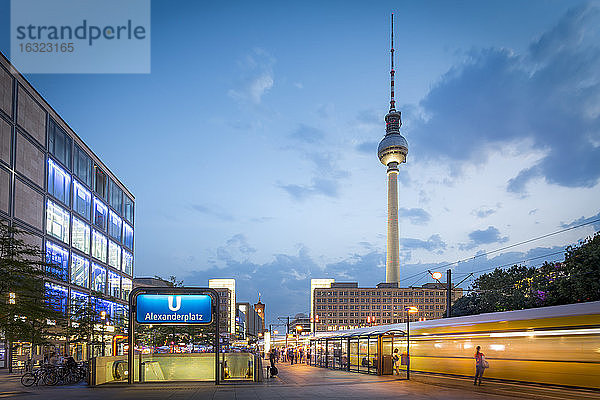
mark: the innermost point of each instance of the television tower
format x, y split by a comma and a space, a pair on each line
392, 152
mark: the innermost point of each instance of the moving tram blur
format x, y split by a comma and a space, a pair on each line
557, 345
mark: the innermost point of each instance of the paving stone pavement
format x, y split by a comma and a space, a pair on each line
300, 382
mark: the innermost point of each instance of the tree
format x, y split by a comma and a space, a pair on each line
574, 280
27, 312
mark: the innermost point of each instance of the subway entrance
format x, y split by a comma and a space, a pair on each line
173, 336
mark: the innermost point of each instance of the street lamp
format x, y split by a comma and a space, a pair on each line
103, 318
436, 275
409, 310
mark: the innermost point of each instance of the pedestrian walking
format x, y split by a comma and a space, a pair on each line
396, 363
480, 365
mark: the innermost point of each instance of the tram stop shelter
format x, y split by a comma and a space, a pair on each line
364, 350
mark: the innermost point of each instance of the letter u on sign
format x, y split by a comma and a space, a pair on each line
177, 305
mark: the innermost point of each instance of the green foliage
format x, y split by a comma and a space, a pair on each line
574, 280
30, 316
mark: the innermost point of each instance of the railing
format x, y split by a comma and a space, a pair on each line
177, 367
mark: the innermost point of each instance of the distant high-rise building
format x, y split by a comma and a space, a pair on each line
392, 152
227, 309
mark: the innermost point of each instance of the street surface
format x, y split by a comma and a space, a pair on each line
300, 382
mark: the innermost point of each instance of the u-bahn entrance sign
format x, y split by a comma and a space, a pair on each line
172, 306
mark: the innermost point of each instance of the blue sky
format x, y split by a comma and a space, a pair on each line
251, 146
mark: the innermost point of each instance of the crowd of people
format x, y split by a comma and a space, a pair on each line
300, 355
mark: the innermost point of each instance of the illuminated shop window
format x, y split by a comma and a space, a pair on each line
78, 302
114, 284
127, 265
128, 236
114, 254
100, 214
120, 313
126, 287
57, 221
107, 306
114, 225
56, 297
128, 209
58, 257
98, 246
80, 236
98, 278
82, 200
82, 166
59, 182
80, 270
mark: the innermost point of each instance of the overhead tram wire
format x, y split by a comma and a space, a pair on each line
506, 247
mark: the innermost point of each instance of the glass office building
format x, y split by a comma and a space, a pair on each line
77, 211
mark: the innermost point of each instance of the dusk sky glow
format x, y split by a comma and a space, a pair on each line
251, 147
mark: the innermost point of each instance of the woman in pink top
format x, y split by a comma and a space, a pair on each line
479, 368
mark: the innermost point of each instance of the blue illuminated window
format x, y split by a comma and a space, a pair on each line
56, 296
98, 246
58, 258
100, 214
107, 306
80, 236
127, 265
114, 225
126, 286
98, 278
128, 236
78, 302
59, 182
82, 200
57, 221
80, 270
114, 254
114, 284
120, 313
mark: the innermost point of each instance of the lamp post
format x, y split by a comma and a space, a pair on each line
298, 332
409, 310
103, 318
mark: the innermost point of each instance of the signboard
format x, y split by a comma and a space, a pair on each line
180, 309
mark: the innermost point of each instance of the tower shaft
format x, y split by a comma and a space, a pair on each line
392, 265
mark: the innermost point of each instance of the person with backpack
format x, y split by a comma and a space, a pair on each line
480, 365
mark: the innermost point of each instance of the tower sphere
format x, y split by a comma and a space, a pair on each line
392, 148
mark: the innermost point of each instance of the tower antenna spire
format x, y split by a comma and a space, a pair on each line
392, 72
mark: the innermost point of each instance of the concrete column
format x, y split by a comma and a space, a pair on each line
392, 266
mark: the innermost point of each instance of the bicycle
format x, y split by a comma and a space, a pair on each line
42, 374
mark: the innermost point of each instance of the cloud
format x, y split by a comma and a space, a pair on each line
212, 211
547, 99
484, 212
416, 216
369, 147
325, 187
434, 242
584, 220
326, 175
487, 236
307, 134
257, 77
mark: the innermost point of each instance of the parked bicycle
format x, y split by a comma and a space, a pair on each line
44, 375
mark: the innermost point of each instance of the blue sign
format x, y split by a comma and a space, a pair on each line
174, 309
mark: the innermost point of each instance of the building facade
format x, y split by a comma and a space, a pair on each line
346, 306
77, 211
227, 309
248, 322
